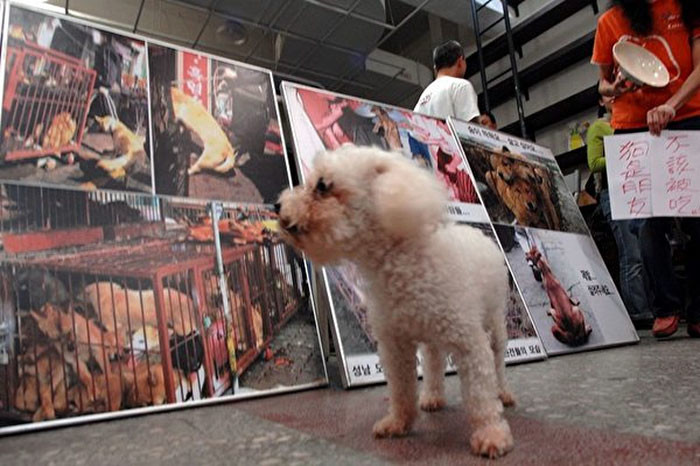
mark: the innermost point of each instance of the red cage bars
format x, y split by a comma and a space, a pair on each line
140, 324
46, 101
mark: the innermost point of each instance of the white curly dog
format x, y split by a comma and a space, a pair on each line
430, 282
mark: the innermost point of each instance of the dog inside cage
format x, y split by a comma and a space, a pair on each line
112, 301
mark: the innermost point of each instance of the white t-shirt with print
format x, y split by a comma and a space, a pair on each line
448, 96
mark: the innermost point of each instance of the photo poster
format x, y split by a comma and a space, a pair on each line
216, 128
653, 176
322, 120
111, 303
75, 109
561, 275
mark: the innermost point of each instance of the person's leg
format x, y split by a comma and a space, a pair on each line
633, 286
667, 293
691, 226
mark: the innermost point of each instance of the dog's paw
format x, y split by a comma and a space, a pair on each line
507, 398
492, 441
391, 426
432, 403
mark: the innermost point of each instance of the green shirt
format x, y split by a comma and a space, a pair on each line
594, 142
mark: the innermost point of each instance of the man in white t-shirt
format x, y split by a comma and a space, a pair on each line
450, 94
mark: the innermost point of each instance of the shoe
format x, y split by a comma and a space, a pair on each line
694, 330
665, 326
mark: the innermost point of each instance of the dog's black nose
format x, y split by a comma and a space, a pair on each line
278, 207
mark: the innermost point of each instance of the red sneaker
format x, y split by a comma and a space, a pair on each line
694, 330
665, 326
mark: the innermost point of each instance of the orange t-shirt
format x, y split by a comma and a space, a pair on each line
669, 40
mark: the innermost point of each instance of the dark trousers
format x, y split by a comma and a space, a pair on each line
668, 294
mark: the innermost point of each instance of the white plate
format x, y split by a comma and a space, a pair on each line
640, 66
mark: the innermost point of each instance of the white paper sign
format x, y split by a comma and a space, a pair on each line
654, 176
675, 170
629, 175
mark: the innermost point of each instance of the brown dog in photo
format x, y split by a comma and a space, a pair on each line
145, 385
108, 388
570, 325
519, 197
544, 184
127, 145
89, 342
510, 166
60, 132
123, 310
42, 387
217, 155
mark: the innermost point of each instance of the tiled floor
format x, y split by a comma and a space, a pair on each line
632, 405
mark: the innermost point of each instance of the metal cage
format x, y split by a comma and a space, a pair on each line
46, 102
135, 318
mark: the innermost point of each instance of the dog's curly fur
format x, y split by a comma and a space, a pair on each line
430, 282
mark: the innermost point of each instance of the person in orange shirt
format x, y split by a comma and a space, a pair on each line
671, 30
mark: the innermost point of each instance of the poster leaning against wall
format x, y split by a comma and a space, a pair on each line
112, 302
75, 109
566, 286
322, 120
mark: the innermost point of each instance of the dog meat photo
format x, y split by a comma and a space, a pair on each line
567, 289
359, 346
216, 132
75, 105
112, 301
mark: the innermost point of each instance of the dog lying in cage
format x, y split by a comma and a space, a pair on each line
72, 362
75, 369
386, 215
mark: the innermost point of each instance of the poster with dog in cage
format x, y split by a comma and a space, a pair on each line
75, 104
114, 301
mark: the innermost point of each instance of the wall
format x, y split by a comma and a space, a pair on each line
568, 82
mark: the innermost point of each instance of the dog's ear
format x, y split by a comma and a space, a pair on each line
409, 200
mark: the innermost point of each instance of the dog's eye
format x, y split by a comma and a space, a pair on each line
322, 187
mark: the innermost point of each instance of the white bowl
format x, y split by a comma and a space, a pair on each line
640, 66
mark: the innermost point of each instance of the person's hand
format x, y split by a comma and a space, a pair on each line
659, 117
622, 86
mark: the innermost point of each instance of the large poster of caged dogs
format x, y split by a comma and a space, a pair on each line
322, 120
75, 104
562, 277
216, 130
113, 301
